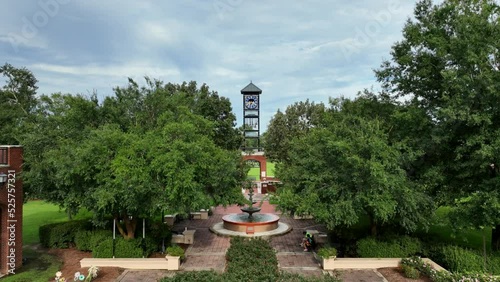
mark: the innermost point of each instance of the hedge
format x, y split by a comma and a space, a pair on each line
62, 234
88, 240
132, 248
399, 247
248, 260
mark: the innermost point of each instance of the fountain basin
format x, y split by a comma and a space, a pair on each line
258, 223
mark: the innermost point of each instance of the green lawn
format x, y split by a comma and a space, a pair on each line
38, 213
38, 267
254, 171
442, 231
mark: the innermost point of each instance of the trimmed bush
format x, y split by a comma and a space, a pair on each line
248, 260
124, 248
88, 240
327, 252
195, 276
399, 247
82, 240
411, 272
175, 251
239, 266
104, 249
62, 234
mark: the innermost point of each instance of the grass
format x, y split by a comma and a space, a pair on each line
37, 267
38, 213
255, 171
442, 231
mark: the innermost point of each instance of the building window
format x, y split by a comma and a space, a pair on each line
4, 156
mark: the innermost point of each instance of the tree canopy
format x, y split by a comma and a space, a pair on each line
448, 65
146, 149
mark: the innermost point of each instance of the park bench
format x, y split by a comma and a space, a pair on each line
202, 214
318, 237
187, 237
169, 219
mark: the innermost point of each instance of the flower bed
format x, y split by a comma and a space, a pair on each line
444, 276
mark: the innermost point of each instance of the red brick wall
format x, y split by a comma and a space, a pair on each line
261, 160
11, 212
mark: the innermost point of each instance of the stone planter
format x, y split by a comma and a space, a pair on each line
173, 263
326, 263
169, 219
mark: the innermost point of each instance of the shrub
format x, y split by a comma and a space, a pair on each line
242, 267
62, 234
82, 240
239, 268
445, 276
88, 240
132, 248
176, 251
494, 264
104, 249
457, 259
411, 272
207, 276
399, 247
327, 252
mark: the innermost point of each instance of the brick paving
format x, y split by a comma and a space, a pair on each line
208, 250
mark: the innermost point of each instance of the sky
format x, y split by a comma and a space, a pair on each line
292, 50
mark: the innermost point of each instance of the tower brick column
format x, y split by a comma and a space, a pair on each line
11, 209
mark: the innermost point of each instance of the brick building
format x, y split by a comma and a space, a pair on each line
11, 209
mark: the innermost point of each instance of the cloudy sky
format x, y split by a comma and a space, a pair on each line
292, 50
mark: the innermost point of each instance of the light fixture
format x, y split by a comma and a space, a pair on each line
3, 179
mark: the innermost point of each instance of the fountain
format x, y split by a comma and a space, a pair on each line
249, 223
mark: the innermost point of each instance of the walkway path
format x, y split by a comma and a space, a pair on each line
208, 251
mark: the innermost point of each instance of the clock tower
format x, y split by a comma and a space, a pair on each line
251, 117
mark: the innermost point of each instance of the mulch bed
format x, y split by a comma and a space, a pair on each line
396, 275
71, 264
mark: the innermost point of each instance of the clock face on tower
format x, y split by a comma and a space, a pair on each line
251, 102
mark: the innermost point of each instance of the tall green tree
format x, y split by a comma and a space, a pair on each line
137, 107
347, 170
296, 121
17, 97
448, 64
57, 120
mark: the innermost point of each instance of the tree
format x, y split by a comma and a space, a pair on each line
17, 98
296, 121
448, 64
138, 108
345, 170
133, 175
57, 120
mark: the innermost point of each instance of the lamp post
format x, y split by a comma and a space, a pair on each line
3, 179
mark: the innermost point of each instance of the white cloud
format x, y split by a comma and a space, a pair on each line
310, 49
126, 70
